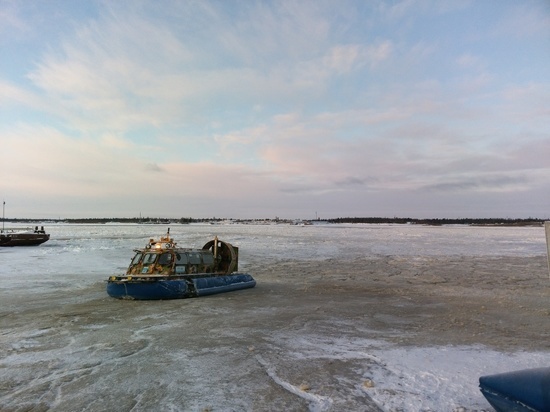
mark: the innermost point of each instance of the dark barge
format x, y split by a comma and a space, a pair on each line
23, 237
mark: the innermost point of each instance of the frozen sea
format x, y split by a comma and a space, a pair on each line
65, 345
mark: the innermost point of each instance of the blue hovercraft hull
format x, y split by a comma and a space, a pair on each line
177, 287
519, 391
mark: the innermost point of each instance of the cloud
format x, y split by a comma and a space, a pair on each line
523, 20
153, 167
528, 102
480, 183
468, 60
46, 162
115, 142
12, 95
10, 20
353, 181
345, 58
121, 72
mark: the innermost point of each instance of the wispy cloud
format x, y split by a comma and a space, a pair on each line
275, 103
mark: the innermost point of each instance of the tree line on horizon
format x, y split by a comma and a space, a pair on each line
371, 220
442, 221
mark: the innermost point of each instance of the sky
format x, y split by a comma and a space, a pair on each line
264, 109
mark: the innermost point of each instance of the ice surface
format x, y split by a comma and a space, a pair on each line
62, 353
441, 379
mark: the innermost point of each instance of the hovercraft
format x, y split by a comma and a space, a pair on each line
162, 270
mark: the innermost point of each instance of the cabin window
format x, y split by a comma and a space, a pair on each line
149, 258
181, 263
136, 258
194, 258
181, 259
208, 259
165, 259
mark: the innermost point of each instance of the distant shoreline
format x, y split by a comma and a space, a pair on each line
368, 220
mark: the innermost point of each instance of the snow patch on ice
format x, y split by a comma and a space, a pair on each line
415, 379
440, 378
317, 403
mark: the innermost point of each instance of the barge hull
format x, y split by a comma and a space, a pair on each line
23, 239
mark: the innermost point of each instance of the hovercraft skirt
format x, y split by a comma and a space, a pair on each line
177, 287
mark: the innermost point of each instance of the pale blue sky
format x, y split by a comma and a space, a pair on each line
413, 108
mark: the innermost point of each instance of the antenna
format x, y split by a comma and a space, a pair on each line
547, 230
